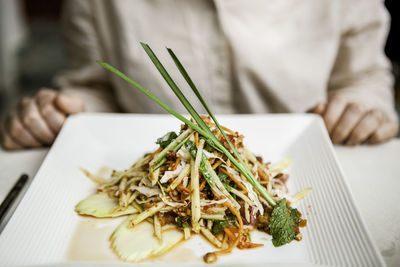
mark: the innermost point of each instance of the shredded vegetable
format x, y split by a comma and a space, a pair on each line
193, 196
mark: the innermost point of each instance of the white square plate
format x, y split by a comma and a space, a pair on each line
46, 230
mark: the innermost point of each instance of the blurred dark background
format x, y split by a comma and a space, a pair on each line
34, 27
392, 48
33, 37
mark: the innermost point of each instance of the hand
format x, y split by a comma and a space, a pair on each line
349, 123
37, 121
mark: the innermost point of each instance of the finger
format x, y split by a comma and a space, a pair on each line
54, 118
334, 110
34, 123
368, 125
386, 131
69, 104
351, 116
16, 130
7, 141
45, 96
318, 109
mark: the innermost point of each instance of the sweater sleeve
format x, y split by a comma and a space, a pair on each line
362, 72
83, 76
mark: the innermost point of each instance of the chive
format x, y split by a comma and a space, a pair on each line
202, 128
247, 173
281, 215
164, 73
152, 96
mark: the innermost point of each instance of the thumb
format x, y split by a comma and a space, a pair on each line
69, 104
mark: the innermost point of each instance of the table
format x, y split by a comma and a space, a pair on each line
372, 172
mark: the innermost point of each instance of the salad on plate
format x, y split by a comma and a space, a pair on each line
200, 180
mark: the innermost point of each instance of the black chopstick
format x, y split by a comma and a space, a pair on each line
10, 198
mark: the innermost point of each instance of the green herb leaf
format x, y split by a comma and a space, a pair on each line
295, 214
183, 221
223, 177
166, 139
209, 148
228, 183
283, 223
218, 226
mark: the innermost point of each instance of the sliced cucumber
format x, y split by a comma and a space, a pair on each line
138, 243
101, 205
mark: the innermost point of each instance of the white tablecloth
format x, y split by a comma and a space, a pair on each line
372, 172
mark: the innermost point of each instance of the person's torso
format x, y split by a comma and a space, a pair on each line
244, 56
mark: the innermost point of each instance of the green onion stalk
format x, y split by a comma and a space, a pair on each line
282, 221
201, 126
